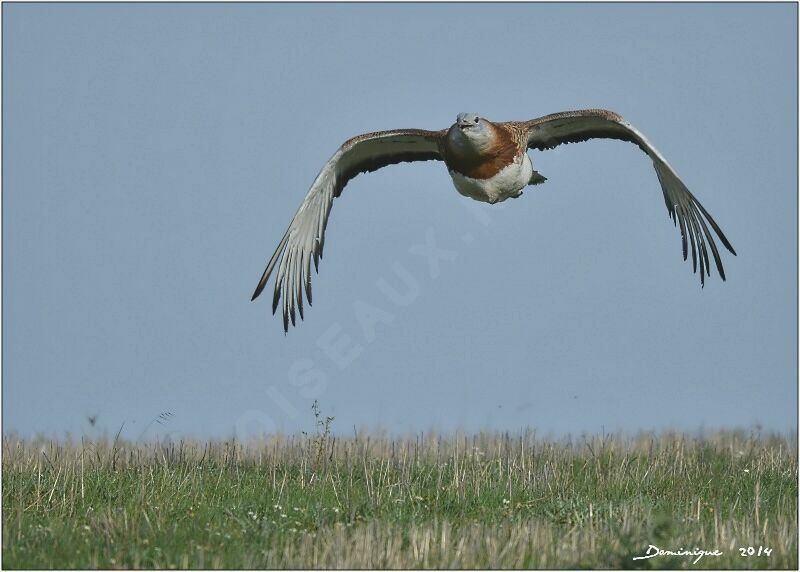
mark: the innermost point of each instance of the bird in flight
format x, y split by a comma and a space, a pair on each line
488, 162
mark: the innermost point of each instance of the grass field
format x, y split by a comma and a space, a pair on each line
488, 500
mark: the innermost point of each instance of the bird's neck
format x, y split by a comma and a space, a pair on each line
476, 157
460, 145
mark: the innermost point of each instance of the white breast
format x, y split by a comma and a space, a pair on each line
508, 182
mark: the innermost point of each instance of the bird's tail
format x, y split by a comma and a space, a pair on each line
537, 178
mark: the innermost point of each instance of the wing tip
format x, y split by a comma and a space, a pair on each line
260, 288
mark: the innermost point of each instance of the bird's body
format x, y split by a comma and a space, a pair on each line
508, 182
488, 162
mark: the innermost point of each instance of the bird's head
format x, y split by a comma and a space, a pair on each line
471, 133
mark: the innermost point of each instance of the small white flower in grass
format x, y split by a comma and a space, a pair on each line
506, 501
283, 515
336, 509
747, 470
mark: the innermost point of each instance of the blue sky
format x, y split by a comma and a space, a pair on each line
154, 154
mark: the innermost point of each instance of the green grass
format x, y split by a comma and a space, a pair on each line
428, 502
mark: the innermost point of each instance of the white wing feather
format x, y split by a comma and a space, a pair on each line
304, 240
685, 210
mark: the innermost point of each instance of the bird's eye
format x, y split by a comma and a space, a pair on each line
477, 119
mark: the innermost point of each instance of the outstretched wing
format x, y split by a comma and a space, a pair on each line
685, 210
305, 237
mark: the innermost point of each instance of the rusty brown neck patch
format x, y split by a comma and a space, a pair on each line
486, 165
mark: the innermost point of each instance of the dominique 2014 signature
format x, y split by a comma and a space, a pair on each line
654, 551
